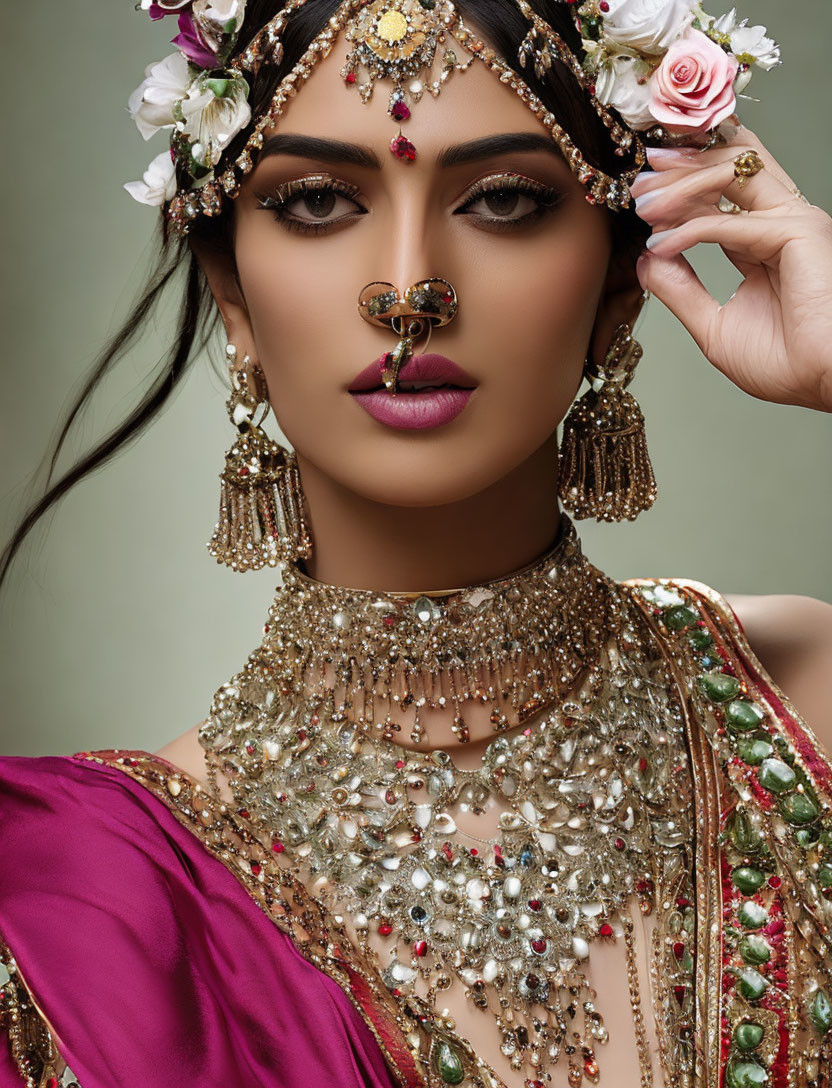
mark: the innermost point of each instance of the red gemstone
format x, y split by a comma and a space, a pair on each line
539, 945
256, 867
388, 621
679, 993
243, 471
619, 844
774, 882
447, 851
399, 764
390, 797
301, 734
678, 950
604, 5
400, 111
605, 930
350, 77
385, 929
402, 148
52, 1082
278, 847
642, 764
244, 812
535, 904
420, 948
473, 851
591, 1067
682, 902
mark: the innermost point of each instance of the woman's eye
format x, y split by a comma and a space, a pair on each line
312, 204
509, 201
319, 204
504, 203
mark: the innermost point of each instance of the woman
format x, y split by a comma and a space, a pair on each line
342, 876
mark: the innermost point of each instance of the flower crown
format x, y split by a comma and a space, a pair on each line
670, 71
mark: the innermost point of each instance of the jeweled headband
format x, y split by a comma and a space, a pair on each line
655, 72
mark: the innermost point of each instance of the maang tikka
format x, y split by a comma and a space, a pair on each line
605, 470
261, 521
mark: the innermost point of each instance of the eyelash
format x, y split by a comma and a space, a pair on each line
287, 193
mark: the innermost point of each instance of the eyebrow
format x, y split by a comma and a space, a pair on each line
337, 151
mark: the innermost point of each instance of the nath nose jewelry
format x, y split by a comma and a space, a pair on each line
425, 305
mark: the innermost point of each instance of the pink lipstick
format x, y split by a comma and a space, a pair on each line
442, 389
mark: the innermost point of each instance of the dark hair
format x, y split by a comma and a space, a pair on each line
502, 24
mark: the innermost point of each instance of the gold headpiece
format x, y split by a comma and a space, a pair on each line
417, 44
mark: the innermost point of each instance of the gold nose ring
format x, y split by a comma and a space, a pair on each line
425, 305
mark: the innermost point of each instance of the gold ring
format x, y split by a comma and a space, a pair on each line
746, 166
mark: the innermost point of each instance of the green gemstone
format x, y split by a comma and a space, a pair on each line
820, 1012
448, 1063
751, 984
719, 686
755, 949
807, 836
745, 878
742, 1074
754, 752
776, 776
744, 835
679, 617
742, 716
749, 1035
825, 876
699, 638
752, 915
797, 808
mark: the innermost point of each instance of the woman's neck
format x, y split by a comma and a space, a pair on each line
364, 544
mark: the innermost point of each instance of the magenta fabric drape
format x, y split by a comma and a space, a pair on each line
148, 957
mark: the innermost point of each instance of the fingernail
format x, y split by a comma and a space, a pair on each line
645, 199
641, 269
670, 152
657, 238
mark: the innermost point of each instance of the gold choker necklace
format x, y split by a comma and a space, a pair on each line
520, 642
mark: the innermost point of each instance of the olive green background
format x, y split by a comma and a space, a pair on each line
116, 625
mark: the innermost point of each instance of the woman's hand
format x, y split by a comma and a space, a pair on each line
773, 338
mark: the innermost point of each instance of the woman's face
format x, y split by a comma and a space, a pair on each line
527, 256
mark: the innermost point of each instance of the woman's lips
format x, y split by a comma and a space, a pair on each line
415, 410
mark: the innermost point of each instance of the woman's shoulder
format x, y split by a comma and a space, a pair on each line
789, 636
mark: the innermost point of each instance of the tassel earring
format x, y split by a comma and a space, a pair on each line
261, 520
605, 471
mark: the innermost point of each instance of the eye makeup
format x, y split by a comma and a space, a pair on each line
319, 195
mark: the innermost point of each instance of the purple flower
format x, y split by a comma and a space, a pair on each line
169, 7
192, 44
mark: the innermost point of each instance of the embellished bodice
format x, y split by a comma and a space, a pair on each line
675, 796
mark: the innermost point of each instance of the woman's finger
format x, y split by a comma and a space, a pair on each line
674, 282
759, 237
743, 139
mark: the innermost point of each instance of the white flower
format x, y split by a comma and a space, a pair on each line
649, 26
220, 11
749, 44
617, 84
158, 184
214, 111
151, 104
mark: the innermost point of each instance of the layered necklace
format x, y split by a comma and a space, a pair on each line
587, 765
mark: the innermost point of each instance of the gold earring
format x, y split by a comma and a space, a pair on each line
605, 471
261, 520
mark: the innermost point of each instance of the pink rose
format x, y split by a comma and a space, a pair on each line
693, 87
